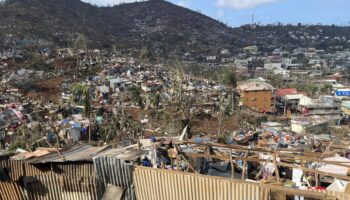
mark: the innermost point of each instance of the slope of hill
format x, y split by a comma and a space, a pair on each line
160, 26
157, 24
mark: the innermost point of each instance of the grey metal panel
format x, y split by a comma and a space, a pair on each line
111, 170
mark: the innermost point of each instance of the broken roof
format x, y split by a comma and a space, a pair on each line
78, 152
255, 86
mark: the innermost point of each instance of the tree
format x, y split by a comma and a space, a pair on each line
155, 100
230, 78
223, 113
136, 96
327, 89
80, 42
81, 95
77, 93
312, 90
87, 101
276, 80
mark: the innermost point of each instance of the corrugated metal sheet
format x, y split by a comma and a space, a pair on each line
11, 191
14, 169
53, 187
158, 184
74, 169
79, 152
17, 169
112, 170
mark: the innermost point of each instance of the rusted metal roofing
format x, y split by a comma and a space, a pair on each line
79, 152
165, 184
11, 191
74, 169
54, 187
17, 169
14, 169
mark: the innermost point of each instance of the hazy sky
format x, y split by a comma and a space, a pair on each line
238, 12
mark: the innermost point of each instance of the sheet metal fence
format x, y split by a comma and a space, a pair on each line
17, 169
151, 184
156, 184
54, 187
49, 181
11, 191
111, 170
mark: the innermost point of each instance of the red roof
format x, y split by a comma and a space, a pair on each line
286, 91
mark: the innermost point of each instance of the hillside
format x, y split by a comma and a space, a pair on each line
290, 37
160, 26
157, 24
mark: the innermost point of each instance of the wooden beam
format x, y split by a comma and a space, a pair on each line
227, 158
277, 172
245, 165
232, 166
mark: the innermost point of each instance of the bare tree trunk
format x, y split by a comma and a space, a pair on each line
90, 128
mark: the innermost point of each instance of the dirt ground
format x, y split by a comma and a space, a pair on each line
49, 89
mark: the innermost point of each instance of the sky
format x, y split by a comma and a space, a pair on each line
239, 12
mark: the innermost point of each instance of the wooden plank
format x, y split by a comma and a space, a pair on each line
276, 166
227, 158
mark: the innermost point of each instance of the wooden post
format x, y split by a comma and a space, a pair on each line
89, 128
276, 166
232, 167
177, 163
189, 164
278, 195
327, 150
244, 165
285, 108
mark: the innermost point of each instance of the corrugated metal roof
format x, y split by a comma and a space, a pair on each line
79, 152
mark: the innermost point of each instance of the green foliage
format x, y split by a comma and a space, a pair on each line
19, 143
155, 99
136, 96
276, 80
310, 89
327, 89
80, 94
230, 78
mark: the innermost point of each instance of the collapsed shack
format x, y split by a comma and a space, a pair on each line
50, 173
73, 180
173, 169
